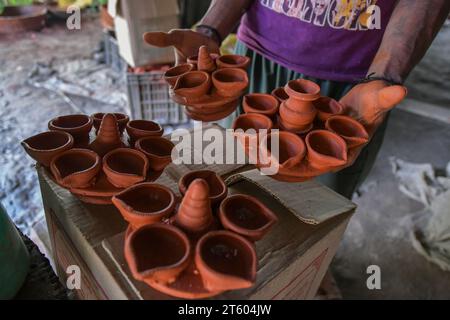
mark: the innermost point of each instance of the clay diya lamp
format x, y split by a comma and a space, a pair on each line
260, 103
145, 203
158, 151
225, 261
232, 61
247, 128
230, 82
280, 94
325, 149
124, 167
44, 146
137, 129
291, 150
78, 125
108, 137
217, 187
76, 168
204, 60
353, 132
194, 59
193, 85
122, 120
171, 76
157, 253
327, 107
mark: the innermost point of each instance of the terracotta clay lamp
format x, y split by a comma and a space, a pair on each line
171, 76
192, 85
226, 261
137, 129
325, 149
145, 203
76, 168
122, 120
204, 60
291, 150
280, 94
247, 128
217, 187
43, 147
124, 167
246, 216
108, 137
157, 253
260, 103
229, 82
232, 61
78, 125
194, 59
327, 107
158, 151
353, 132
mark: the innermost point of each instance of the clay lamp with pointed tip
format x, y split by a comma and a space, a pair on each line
158, 151
157, 253
78, 125
327, 107
246, 216
229, 82
145, 203
124, 167
194, 59
171, 76
232, 61
108, 137
261, 103
217, 187
76, 168
193, 85
353, 132
280, 94
44, 146
225, 261
122, 120
249, 128
325, 149
137, 129
204, 60
290, 152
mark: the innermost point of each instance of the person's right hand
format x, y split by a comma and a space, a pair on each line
185, 41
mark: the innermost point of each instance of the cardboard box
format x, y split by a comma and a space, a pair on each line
132, 18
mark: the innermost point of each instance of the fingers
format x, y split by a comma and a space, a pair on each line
158, 39
389, 97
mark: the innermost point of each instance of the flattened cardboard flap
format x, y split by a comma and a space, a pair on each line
299, 198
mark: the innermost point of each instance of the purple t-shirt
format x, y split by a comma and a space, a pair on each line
327, 39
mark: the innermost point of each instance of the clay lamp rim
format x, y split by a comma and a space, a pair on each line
84, 152
234, 73
280, 94
250, 117
194, 58
178, 71
27, 144
130, 127
25, 12
165, 141
228, 61
202, 79
355, 126
89, 122
130, 210
183, 186
167, 228
224, 215
120, 117
328, 106
299, 143
260, 99
302, 89
323, 157
128, 151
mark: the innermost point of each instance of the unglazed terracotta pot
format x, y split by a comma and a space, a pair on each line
325, 149
217, 187
108, 137
327, 107
229, 82
291, 149
137, 129
124, 167
232, 61
157, 253
246, 216
171, 76
43, 147
353, 132
158, 151
76, 168
204, 60
145, 203
194, 59
261, 103
78, 125
192, 85
248, 130
122, 120
226, 261
280, 94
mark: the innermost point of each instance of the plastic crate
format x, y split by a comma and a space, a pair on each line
148, 97
112, 56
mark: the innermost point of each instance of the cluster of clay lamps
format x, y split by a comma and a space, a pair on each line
209, 85
314, 136
97, 164
194, 247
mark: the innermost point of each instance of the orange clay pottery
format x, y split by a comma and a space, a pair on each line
349, 129
246, 216
204, 60
108, 137
291, 149
261, 103
226, 261
137, 129
76, 168
298, 112
78, 125
280, 94
171, 76
217, 187
145, 203
124, 167
248, 129
46, 145
232, 61
229, 82
325, 149
157, 253
192, 85
122, 120
327, 107
158, 151
194, 59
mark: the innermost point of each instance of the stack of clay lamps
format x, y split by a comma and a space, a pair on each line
96, 167
209, 85
199, 248
314, 137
